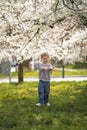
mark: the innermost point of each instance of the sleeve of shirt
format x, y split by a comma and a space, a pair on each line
50, 65
40, 66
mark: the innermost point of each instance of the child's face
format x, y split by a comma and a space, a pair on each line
45, 59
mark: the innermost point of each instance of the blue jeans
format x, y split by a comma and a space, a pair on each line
43, 91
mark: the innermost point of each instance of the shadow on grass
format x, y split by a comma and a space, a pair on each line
68, 110
80, 65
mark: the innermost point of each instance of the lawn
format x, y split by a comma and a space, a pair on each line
68, 110
78, 69
78, 65
56, 73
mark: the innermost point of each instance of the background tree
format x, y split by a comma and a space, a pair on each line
29, 27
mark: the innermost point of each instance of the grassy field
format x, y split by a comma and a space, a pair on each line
78, 65
68, 110
78, 69
56, 73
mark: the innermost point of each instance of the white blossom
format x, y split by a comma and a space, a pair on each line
27, 30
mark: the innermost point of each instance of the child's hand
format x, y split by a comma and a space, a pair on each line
51, 68
44, 68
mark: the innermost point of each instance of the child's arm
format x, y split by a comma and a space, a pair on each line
44, 68
51, 68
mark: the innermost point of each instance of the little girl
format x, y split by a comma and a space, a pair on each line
44, 80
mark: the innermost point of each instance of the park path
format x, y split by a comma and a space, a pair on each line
32, 79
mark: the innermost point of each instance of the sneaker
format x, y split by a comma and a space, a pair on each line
38, 104
48, 104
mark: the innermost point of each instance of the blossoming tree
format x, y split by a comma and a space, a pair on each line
30, 27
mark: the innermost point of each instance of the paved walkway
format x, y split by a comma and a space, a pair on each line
58, 79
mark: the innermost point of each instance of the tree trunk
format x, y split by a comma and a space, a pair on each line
63, 71
20, 72
63, 74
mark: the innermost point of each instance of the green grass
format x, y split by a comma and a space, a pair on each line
55, 73
68, 110
78, 69
78, 65
76, 73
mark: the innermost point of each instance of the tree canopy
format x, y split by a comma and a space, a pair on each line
30, 27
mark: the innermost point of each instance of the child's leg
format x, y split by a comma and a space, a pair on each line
46, 92
41, 92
